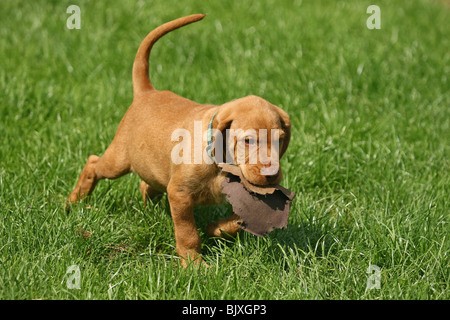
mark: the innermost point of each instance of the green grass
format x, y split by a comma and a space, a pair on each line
368, 157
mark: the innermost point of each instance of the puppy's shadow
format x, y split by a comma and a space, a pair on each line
204, 215
304, 236
299, 236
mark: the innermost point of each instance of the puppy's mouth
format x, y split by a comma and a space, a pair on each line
260, 175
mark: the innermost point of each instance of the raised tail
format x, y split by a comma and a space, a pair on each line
141, 80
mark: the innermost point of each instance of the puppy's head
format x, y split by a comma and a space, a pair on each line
256, 135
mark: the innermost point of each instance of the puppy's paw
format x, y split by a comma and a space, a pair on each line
196, 264
213, 230
225, 228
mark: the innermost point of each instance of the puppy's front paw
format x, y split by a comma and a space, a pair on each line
196, 264
225, 228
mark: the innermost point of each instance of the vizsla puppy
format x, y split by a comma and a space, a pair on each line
144, 144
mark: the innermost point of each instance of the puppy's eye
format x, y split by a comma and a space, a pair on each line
250, 141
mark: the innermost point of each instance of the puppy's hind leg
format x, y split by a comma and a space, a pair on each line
113, 164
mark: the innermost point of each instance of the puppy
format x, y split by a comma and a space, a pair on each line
144, 144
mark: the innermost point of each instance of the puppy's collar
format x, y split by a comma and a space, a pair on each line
209, 137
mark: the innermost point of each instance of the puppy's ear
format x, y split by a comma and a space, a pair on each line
286, 126
222, 121
223, 118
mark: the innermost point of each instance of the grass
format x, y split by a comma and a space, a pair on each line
368, 157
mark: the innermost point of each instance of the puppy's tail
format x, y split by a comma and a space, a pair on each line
141, 80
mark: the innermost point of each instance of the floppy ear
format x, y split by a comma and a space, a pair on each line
222, 121
286, 126
223, 118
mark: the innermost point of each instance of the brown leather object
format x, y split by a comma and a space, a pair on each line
262, 209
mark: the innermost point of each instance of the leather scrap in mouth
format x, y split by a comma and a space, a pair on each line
262, 209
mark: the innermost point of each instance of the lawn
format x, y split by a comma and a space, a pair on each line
368, 157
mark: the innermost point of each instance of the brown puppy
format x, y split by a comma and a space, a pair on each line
144, 144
